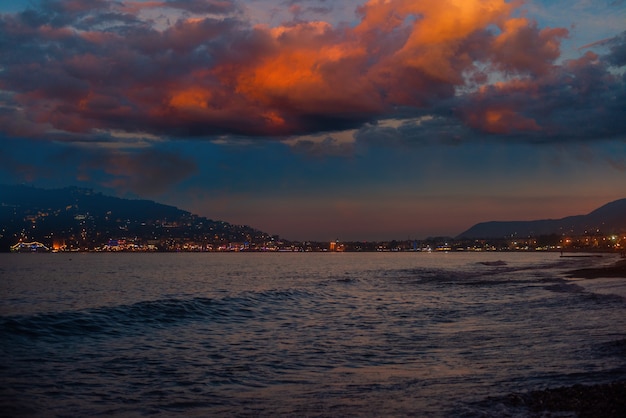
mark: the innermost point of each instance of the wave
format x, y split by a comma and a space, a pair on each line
136, 318
480, 273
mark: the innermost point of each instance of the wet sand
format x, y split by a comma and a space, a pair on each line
616, 270
583, 401
605, 400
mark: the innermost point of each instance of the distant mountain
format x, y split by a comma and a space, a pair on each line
83, 218
610, 218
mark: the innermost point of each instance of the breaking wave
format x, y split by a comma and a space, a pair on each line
142, 316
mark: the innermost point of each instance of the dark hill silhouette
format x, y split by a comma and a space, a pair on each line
608, 219
87, 219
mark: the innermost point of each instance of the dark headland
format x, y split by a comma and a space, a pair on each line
616, 270
584, 401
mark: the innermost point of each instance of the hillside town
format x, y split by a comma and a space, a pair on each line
587, 243
80, 220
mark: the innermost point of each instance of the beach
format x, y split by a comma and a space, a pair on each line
583, 401
616, 270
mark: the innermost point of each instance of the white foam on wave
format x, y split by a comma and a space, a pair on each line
604, 285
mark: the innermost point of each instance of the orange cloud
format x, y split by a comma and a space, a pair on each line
204, 76
402, 53
190, 98
522, 47
501, 121
495, 109
436, 31
300, 67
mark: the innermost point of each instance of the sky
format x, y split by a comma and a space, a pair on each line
319, 119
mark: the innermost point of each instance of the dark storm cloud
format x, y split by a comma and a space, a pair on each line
301, 7
73, 69
202, 6
617, 45
579, 100
17, 169
327, 147
145, 172
129, 164
59, 13
429, 130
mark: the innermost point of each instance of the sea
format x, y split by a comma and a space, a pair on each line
389, 334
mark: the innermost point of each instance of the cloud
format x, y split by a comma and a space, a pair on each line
148, 172
136, 165
617, 56
202, 6
15, 169
70, 70
191, 6
142, 171
578, 100
325, 145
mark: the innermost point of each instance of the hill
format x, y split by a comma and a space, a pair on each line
81, 201
82, 218
608, 219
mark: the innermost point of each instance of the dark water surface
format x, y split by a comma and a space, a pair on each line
311, 334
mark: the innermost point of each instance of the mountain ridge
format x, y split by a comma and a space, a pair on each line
84, 219
609, 218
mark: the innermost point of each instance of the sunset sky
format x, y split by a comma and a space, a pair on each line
320, 119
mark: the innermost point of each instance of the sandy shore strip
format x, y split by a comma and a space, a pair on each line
602, 400
616, 270
583, 401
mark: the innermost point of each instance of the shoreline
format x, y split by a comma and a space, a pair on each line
600, 400
616, 270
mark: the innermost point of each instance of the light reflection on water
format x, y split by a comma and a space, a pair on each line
296, 334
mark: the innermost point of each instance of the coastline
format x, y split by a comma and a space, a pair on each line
586, 401
616, 270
